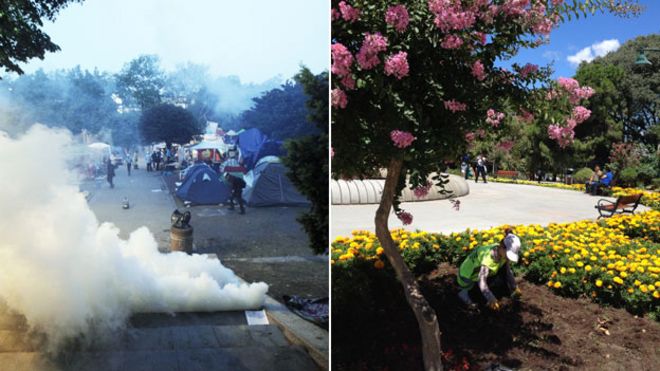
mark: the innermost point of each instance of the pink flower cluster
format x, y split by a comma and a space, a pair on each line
505, 145
576, 93
494, 118
562, 134
514, 8
469, 136
482, 37
348, 13
526, 116
401, 139
348, 82
373, 44
581, 114
422, 190
451, 42
342, 59
478, 70
334, 14
405, 217
450, 15
339, 98
397, 65
528, 69
454, 105
397, 16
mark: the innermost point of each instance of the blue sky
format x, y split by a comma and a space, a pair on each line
574, 36
253, 39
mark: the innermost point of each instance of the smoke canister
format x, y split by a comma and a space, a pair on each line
181, 239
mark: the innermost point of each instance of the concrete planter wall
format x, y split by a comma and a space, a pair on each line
369, 191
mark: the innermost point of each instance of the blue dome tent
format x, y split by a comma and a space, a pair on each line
201, 186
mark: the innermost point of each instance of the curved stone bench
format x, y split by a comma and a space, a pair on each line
369, 191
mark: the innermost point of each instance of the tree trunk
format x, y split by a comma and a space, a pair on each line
426, 318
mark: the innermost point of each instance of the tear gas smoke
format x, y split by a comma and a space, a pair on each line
69, 275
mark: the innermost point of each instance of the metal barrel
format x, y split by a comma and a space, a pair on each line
181, 239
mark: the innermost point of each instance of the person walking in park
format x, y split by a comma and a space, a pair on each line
465, 165
110, 173
135, 160
481, 168
595, 178
129, 164
490, 265
237, 184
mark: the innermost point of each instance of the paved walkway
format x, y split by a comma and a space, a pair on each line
487, 205
185, 341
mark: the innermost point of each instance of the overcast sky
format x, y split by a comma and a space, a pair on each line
253, 39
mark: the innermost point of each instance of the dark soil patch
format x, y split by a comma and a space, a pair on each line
541, 332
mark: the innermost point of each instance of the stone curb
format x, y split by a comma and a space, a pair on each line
297, 330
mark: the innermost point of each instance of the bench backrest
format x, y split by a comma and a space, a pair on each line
623, 201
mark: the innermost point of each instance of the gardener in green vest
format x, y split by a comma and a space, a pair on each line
485, 263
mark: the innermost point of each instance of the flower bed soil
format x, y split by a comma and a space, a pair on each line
541, 332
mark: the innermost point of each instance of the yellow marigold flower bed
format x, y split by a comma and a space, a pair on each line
615, 261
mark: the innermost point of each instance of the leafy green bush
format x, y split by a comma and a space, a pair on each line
628, 176
645, 173
583, 175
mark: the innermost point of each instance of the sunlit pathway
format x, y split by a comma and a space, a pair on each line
487, 205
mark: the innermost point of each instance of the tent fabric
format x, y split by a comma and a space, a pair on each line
270, 148
201, 186
269, 186
205, 144
250, 142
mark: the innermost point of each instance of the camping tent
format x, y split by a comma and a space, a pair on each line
268, 185
254, 145
201, 186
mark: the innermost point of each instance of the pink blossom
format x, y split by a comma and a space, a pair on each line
526, 116
450, 15
373, 44
584, 92
494, 118
401, 139
581, 114
543, 26
339, 98
451, 42
552, 94
348, 13
455, 106
478, 70
422, 190
571, 123
405, 217
527, 69
557, 2
342, 59
506, 145
481, 36
397, 65
334, 14
397, 16
348, 82
575, 92
515, 8
469, 136
563, 135
568, 83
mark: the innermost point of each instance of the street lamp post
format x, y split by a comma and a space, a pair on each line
641, 57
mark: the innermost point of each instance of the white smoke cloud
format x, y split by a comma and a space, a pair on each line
589, 53
69, 275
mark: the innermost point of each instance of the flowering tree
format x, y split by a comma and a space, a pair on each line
410, 82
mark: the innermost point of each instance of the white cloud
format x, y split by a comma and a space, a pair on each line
552, 55
595, 50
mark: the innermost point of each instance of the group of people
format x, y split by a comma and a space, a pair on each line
479, 166
598, 180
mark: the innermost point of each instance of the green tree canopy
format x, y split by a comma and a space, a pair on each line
21, 36
141, 83
168, 123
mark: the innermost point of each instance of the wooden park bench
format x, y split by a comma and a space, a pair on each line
623, 204
507, 174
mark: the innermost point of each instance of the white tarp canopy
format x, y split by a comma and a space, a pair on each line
231, 133
206, 144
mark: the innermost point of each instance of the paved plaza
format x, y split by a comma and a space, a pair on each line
487, 205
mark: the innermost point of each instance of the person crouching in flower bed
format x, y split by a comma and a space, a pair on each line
487, 265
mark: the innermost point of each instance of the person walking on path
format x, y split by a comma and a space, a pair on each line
465, 165
490, 265
481, 168
129, 165
135, 160
237, 184
110, 173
